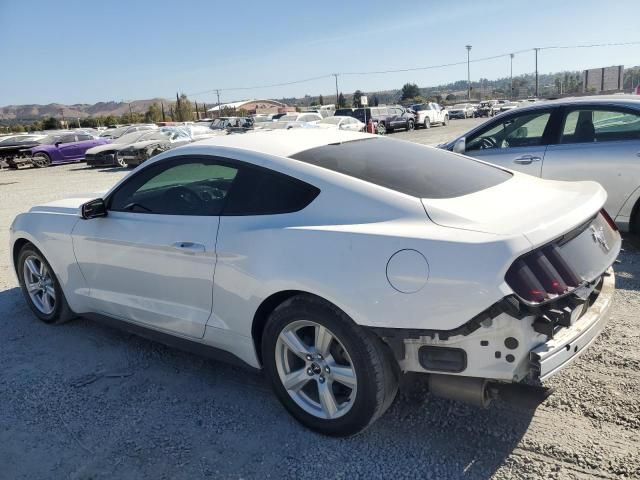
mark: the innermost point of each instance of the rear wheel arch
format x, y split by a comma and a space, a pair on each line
270, 304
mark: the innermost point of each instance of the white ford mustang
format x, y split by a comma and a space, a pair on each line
335, 261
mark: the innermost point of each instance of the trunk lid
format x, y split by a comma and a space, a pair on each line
541, 210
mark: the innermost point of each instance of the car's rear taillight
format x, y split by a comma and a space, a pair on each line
609, 220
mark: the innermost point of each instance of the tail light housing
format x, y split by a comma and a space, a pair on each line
609, 220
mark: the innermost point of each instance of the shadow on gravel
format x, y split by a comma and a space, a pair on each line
627, 275
105, 402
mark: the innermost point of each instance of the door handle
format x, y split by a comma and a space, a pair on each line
189, 247
526, 159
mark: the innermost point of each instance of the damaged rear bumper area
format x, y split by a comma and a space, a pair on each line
505, 344
569, 343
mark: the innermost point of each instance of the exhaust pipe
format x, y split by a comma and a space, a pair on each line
470, 390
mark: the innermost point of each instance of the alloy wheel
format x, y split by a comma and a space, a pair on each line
315, 369
40, 160
39, 284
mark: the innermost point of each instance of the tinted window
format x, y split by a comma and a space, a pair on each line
595, 125
67, 139
515, 131
83, 137
177, 187
406, 167
258, 191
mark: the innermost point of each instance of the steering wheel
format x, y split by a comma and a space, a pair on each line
183, 198
488, 142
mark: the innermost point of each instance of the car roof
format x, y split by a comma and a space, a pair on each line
618, 100
282, 143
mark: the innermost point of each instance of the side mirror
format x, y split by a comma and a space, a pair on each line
58, 144
460, 146
93, 209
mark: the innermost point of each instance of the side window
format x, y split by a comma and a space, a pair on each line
68, 139
595, 125
178, 187
83, 137
516, 131
259, 191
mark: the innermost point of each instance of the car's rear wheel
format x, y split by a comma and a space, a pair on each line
445, 122
41, 160
427, 123
41, 288
330, 374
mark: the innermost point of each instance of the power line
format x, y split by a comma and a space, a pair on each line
412, 69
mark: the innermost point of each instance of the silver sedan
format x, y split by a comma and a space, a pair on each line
587, 138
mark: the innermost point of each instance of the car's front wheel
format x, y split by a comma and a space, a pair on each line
41, 160
427, 122
410, 125
121, 161
381, 129
330, 374
41, 288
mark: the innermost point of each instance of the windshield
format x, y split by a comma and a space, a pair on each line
114, 132
460, 105
130, 137
49, 139
331, 120
423, 172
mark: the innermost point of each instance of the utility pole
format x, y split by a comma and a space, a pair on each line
511, 55
218, 94
536, 50
468, 47
336, 75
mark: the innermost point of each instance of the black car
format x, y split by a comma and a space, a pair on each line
344, 112
15, 151
386, 119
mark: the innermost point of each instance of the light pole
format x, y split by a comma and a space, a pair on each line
468, 47
536, 50
337, 102
511, 55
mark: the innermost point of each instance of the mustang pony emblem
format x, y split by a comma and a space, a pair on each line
597, 234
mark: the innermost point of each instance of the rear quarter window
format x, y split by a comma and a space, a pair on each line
259, 191
406, 167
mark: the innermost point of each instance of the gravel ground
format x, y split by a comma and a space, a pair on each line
85, 401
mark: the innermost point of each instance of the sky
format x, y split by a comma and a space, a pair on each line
89, 51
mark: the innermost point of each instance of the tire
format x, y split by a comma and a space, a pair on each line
31, 260
445, 122
120, 161
427, 123
381, 128
410, 125
373, 371
41, 160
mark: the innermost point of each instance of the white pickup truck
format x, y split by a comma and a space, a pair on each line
429, 113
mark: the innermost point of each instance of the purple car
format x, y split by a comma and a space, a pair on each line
63, 148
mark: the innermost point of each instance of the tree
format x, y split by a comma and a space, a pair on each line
17, 128
451, 97
153, 114
321, 100
51, 124
410, 90
342, 103
357, 96
183, 109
